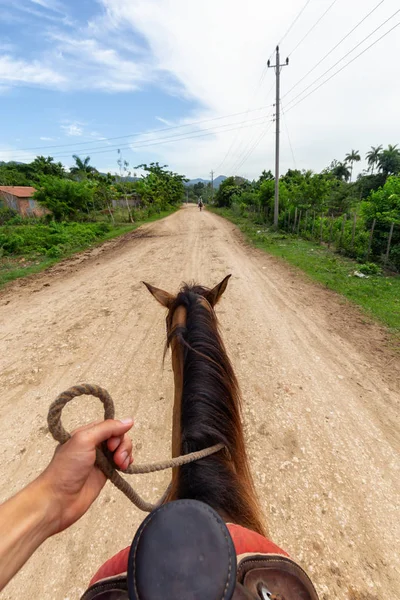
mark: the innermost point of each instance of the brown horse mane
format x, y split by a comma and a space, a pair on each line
211, 413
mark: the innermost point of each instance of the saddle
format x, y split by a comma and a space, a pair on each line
183, 550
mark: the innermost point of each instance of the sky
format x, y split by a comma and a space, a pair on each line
186, 82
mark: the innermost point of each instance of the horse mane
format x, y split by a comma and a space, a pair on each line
211, 413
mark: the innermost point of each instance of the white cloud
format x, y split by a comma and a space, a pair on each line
50, 5
91, 64
73, 129
16, 71
164, 121
47, 139
217, 51
10, 154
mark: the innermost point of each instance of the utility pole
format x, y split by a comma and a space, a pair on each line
277, 66
212, 187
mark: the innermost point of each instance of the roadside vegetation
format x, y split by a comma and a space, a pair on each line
343, 234
83, 208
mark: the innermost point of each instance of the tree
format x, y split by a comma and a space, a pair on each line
389, 160
341, 171
104, 193
198, 189
46, 166
63, 197
82, 168
231, 186
10, 174
352, 157
373, 157
123, 174
161, 187
383, 205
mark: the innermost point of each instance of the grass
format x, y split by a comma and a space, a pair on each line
35, 252
378, 295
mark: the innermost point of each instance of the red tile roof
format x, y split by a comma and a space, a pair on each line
20, 191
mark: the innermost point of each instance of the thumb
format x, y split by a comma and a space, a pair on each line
100, 432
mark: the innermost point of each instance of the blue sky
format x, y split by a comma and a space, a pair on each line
73, 74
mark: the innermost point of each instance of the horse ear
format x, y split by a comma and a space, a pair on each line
164, 298
215, 294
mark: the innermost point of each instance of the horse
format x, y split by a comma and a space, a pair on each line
207, 408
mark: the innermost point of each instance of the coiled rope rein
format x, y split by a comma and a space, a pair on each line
104, 460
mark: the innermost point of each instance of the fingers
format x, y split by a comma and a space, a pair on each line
123, 454
114, 442
96, 433
87, 426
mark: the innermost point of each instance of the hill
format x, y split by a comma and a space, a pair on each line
217, 181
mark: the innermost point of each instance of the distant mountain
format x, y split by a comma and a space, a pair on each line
217, 181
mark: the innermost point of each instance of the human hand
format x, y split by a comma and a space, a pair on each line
72, 482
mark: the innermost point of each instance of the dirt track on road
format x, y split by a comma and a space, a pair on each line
320, 389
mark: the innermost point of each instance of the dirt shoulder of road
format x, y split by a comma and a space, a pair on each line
375, 341
73, 263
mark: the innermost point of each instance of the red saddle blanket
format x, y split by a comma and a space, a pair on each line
245, 541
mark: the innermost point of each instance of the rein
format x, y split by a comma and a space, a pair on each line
104, 460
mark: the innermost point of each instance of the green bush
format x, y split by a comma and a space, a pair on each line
54, 239
369, 268
55, 251
6, 214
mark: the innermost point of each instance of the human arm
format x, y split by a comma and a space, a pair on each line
60, 495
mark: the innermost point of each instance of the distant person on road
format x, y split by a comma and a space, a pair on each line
61, 495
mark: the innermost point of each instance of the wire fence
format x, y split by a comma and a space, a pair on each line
349, 234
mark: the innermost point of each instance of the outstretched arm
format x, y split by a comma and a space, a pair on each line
60, 495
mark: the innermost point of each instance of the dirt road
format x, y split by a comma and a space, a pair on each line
320, 393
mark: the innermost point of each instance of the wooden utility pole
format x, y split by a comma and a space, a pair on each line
212, 186
277, 66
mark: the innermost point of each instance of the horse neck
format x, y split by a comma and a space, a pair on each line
207, 411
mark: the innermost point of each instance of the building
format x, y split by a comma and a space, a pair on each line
19, 198
134, 201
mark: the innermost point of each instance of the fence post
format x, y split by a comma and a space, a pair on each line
288, 226
320, 229
330, 232
295, 219
389, 242
353, 233
344, 217
370, 238
305, 224
298, 223
313, 226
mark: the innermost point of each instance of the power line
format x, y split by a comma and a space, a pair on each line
250, 152
293, 23
242, 153
174, 139
334, 47
145, 142
288, 136
313, 27
139, 133
344, 66
347, 54
235, 138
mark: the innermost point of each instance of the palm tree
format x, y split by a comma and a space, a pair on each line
341, 171
82, 168
389, 160
373, 157
352, 157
